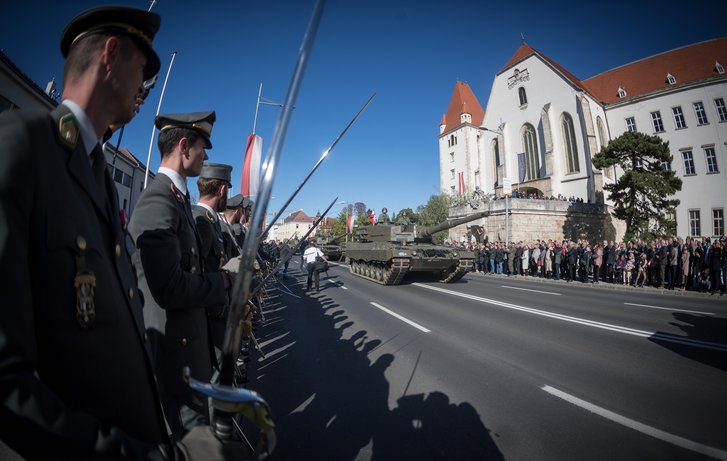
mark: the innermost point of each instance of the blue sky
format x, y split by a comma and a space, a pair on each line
409, 52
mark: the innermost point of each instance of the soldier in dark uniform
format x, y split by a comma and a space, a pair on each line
231, 216
76, 377
177, 291
213, 184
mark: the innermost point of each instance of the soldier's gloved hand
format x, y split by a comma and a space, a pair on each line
200, 444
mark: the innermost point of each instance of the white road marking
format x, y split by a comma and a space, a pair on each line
669, 309
403, 319
344, 287
534, 291
590, 323
637, 426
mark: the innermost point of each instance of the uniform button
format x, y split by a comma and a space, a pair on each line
146, 337
193, 269
184, 341
194, 251
131, 293
81, 242
118, 250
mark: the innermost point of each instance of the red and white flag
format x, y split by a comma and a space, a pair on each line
250, 180
349, 224
461, 188
372, 217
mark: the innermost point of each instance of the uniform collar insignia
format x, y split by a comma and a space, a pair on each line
177, 193
210, 216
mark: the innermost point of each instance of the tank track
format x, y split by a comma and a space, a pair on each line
463, 267
379, 272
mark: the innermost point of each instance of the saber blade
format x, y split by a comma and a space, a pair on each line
315, 167
241, 288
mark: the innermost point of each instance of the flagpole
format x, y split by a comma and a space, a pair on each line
257, 107
153, 128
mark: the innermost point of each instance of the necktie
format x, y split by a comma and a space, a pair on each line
99, 168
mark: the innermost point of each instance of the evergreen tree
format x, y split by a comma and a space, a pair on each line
641, 194
434, 212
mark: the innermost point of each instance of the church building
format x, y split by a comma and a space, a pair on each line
542, 125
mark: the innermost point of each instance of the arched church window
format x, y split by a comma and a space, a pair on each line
523, 96
530, 146
570, 146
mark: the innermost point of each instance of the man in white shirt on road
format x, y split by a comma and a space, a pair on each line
315, 262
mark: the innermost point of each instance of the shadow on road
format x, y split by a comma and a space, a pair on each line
330, 401
700, 329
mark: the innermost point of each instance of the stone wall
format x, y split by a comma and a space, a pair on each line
539, 219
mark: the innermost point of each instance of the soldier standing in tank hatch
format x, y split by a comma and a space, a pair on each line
403, 218
384, 216
75, 366
177, 291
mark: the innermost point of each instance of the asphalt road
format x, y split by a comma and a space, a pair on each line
492, 368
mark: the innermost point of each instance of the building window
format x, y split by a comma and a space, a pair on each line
719, 68
530, 146
678, 117
451, 157
721, 109
451, 190
695, 227
571, 148
718, 222
658, 124
495, 151
711, 157
523, 96
621, 92
700, 113
630, 124
602, 140
670, 79
451, 174
688, 162
666, 165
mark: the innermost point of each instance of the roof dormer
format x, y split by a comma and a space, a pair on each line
465, 116
719, 68
670, 79
621, 92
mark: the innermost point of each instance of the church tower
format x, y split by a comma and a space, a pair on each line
460, 152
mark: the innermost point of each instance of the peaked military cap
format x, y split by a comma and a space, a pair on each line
199, 121
138, 24
218, 171
235, 201
246, 202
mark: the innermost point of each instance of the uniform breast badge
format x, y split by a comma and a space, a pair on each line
85, 283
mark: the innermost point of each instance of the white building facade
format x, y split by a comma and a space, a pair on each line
543, 125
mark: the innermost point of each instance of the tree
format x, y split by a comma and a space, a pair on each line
434, 212
640, 195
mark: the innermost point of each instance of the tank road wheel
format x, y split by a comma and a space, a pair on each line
354, 265
379, 273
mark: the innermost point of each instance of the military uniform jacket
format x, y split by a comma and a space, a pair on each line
66, 390
176, 292
212, 249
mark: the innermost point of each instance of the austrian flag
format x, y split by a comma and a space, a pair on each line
372, 217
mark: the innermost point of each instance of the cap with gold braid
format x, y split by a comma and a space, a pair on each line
139, 25
198, 121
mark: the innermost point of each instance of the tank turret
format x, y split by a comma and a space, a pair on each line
385, 253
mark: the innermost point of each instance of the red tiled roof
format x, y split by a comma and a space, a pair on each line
526, 51
463, 100
298, 216
688, 64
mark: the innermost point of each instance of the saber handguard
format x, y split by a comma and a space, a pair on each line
248, 403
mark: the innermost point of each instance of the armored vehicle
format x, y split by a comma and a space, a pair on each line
332, 248
385, 253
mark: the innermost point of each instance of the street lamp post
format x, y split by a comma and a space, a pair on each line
345, 223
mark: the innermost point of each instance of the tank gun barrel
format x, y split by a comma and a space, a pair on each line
426, 232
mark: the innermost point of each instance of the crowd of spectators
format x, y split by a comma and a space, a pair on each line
673, 263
